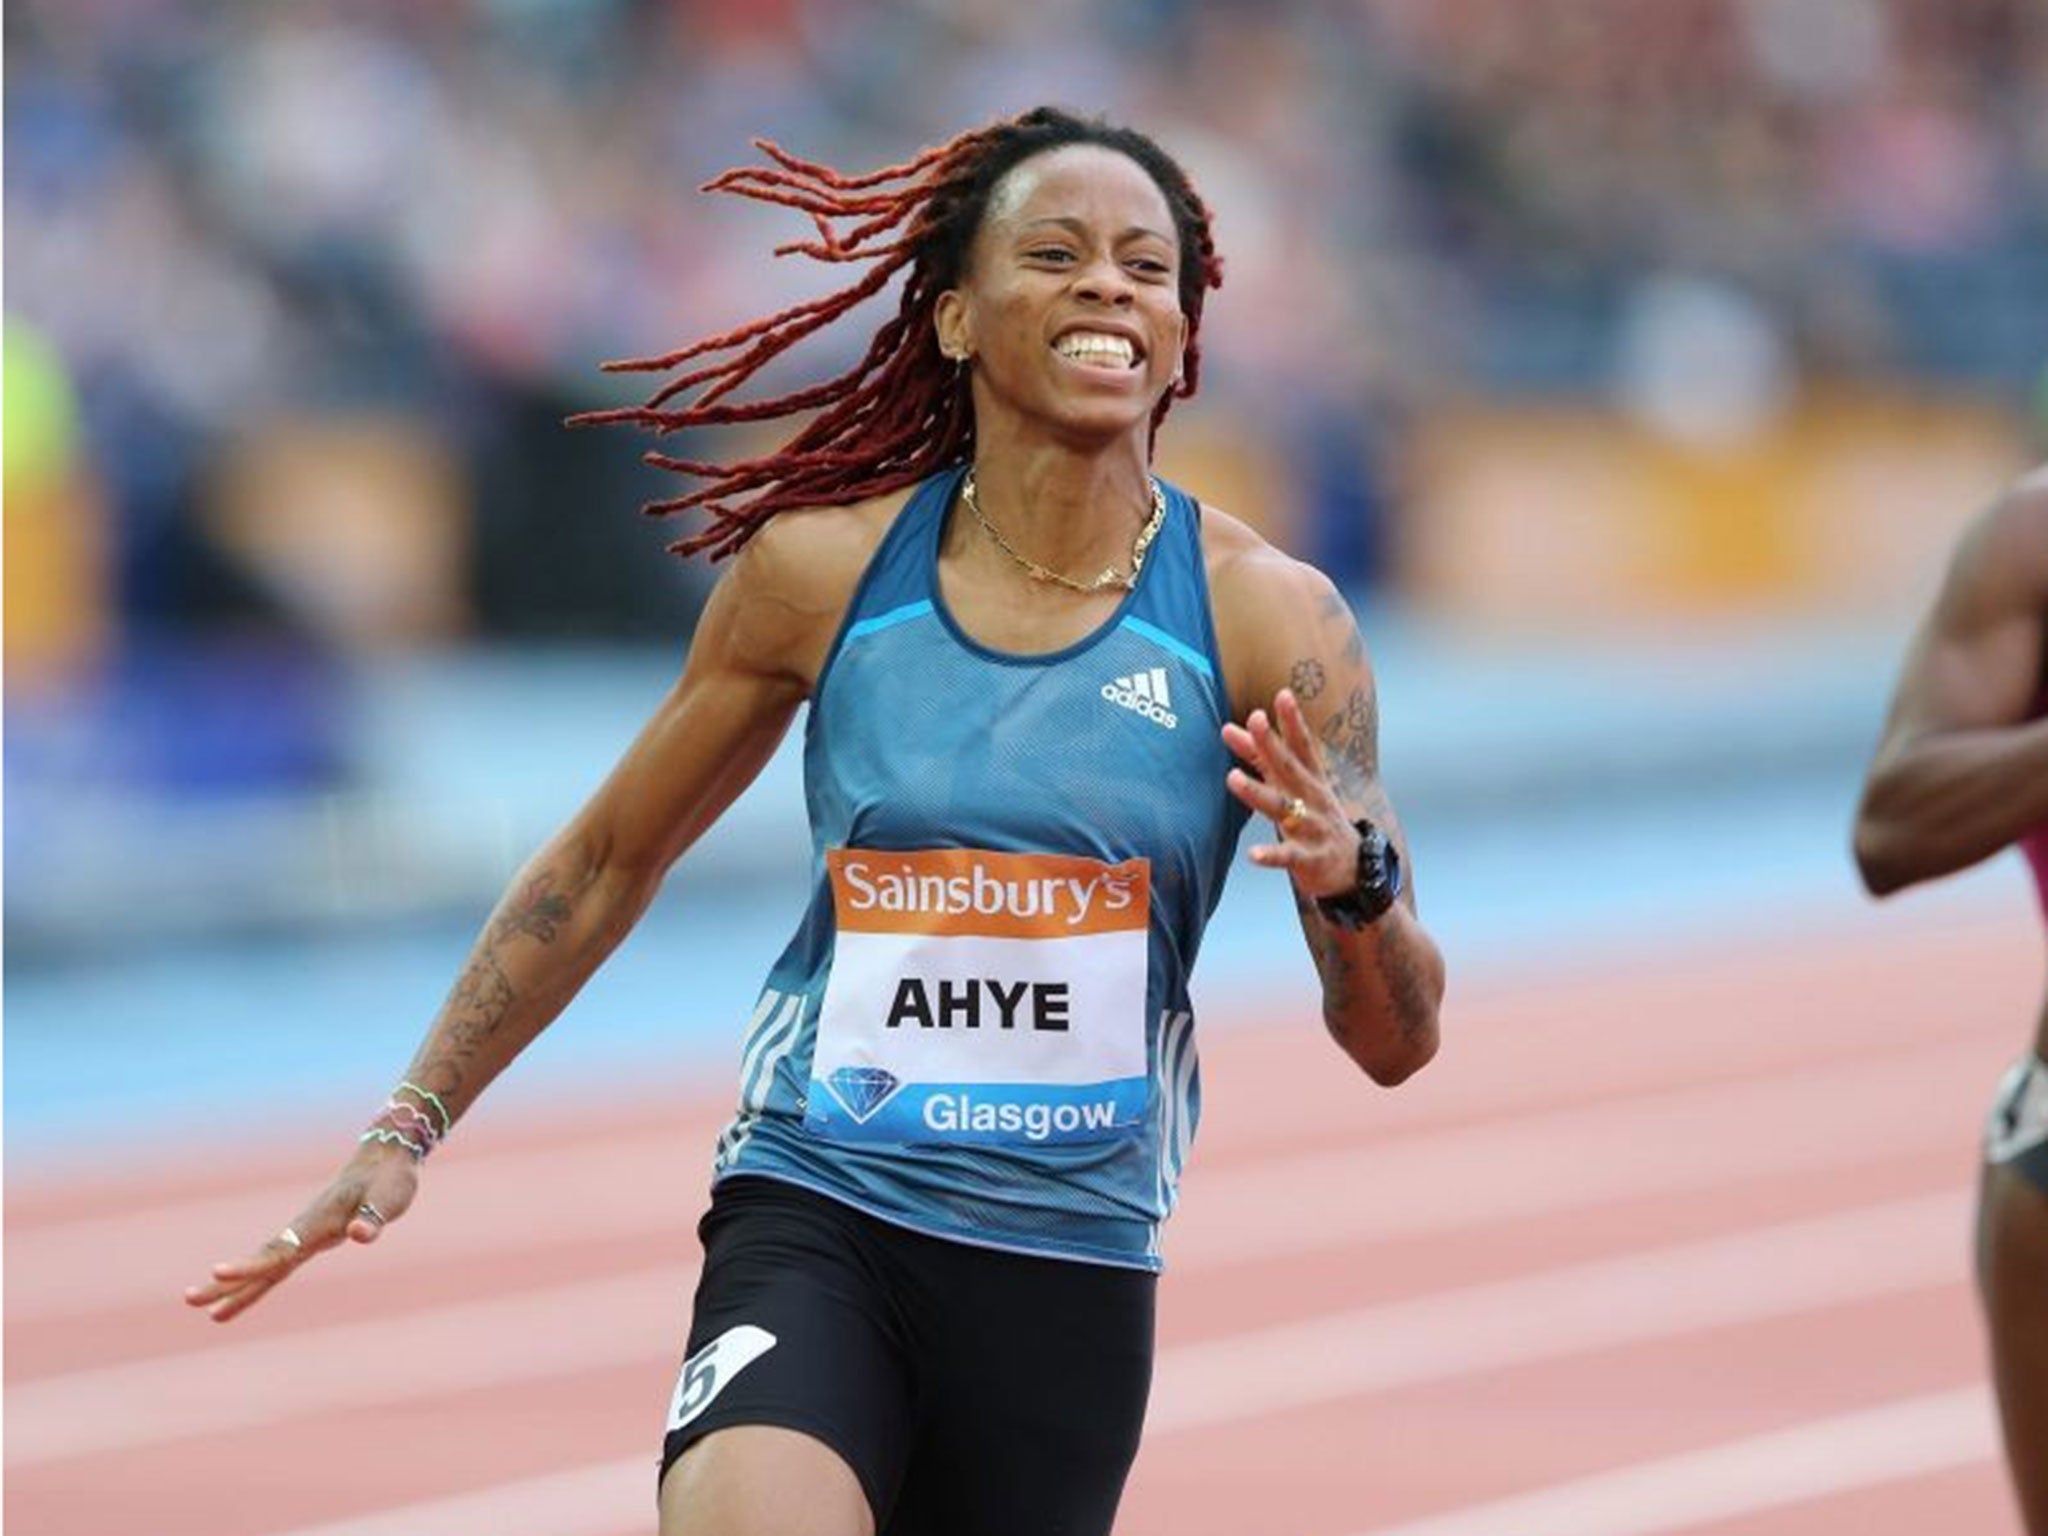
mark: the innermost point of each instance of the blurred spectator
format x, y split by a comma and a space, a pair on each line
57, 607
230, 216
1546, 312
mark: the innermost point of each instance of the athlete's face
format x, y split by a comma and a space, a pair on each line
1070, 305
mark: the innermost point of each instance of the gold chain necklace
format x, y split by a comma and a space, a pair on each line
1110, 577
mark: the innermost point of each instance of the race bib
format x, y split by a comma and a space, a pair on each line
982, 998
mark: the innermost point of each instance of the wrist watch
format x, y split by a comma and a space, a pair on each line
1379, 882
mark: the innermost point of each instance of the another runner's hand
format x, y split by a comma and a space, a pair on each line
381, 1177
1318, 847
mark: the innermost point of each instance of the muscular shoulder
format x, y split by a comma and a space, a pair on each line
781, 601
2017, 527
1272, 610
2001, 561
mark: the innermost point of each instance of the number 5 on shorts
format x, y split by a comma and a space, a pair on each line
706, 1373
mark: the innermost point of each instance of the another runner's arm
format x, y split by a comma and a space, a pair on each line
1960, 771
1382, 984
749, 667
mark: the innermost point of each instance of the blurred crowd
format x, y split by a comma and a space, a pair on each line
297, 296
305, 285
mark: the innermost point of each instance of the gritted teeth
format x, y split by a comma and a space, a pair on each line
1084, 346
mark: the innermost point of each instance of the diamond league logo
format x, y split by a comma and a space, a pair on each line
863, 1090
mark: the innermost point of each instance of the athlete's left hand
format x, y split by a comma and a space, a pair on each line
1318, 845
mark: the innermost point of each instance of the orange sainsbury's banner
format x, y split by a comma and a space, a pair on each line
969, 891
983, 998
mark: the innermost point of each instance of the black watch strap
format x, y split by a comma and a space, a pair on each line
1380, 878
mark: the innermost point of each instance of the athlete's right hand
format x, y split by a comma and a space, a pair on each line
373, 1189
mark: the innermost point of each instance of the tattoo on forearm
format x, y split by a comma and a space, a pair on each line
1405, 985
439, 1075
1332, 965
539, 911
1348, 740
482, 997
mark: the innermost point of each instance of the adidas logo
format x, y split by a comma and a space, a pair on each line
1144, 693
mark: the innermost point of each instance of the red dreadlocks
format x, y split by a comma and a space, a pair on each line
901, 413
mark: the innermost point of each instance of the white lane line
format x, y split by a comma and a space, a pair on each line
533, 1336
1742, 1277
601, 1498
75, 1268
1890, 1443
1572, 1159
1682, 1141
1763, 1272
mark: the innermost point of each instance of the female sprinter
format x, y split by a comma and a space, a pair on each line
1962, 772
969, 1085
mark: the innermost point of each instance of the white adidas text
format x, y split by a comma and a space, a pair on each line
1144, 693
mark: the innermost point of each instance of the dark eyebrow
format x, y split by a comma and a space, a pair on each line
1079, 228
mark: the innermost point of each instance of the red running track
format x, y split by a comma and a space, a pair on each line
1679, 1246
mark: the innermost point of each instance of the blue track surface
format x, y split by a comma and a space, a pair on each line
1595, 812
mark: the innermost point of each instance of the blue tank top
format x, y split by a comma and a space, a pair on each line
981, 1028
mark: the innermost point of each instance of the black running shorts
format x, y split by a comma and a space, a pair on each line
973, 1392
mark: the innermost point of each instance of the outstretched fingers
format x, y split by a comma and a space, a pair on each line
1301, 742
1292, 790
235, 1285
355, 1208
1258, 743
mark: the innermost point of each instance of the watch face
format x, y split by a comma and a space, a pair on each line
1390, 863
1379, 881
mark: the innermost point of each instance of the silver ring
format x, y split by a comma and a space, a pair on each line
291, 1239
370, 1213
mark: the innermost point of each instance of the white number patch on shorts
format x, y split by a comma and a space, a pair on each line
983, 998
2019, 1116
706, 1373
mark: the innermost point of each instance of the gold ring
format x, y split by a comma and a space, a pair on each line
1295, 809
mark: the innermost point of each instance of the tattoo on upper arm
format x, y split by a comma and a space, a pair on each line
1307, 679
1338, 614
1350, 738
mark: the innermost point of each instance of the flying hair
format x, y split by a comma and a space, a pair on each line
903, 412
